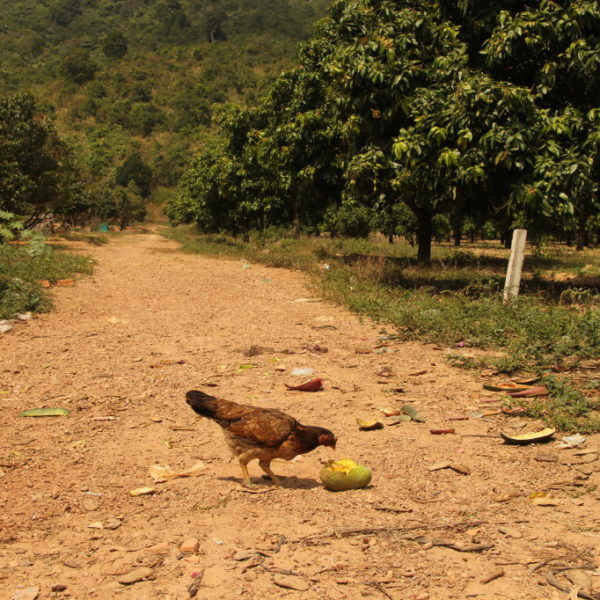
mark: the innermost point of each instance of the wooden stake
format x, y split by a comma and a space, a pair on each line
515, 264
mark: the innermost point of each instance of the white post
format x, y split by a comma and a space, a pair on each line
515, 264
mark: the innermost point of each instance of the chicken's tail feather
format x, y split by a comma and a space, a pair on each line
202, 403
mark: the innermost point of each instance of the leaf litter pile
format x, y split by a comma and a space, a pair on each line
120, 491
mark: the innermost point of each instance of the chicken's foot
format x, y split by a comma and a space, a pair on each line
265, 465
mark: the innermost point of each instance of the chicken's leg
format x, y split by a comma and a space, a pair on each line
246, 483
265, 465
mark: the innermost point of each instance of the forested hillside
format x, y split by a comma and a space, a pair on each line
132, 85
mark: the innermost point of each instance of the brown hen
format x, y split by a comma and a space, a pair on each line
261, 433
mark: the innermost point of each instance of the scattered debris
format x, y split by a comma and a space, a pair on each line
571, 441
508, 387
30, 593
167, 363
302, 371
491, 576
143, 491
510, 532
401, 419
446, 464
417, 373
194, 587
162, 473
532, 392
369, 425
58, 587
314, 385
551, 579
412, 412
90, 504
189, 546
529, 438
46, 412
438, 466
545, 501
362, 350
161, 548
136, 575
5, 326
291, 582
391, 412
441, 431
108, 524
385, 372
65, 282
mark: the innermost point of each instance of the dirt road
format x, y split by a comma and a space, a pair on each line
151, 323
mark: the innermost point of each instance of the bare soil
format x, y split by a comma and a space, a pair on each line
152, 323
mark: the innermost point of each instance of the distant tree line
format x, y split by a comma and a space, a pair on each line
40, 180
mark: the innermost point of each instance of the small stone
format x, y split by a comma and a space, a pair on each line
545, 501
5, 327
72, 563
30, 593
112, 524
509, 531
24, 316
462, 469
90, 504
290, 582
143, 491
243, 555
135, 576
162, 548
438, 466
59, 587
189, 546
65, 282
546, 457
579, 578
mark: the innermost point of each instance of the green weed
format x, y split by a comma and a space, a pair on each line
565, 408
21, 267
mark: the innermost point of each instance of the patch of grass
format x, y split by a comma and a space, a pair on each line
89, 238
21, 267
566, 408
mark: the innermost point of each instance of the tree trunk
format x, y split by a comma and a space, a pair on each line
581, 234
296, 221
457, 234
424, 234
390, 238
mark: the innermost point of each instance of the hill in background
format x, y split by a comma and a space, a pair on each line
128, 77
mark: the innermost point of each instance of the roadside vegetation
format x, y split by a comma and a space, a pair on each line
23, 267
456, 302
